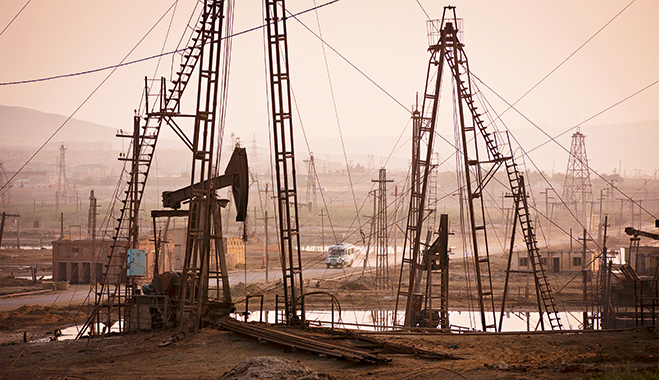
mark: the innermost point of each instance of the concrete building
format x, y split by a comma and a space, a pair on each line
82, 260
555, 261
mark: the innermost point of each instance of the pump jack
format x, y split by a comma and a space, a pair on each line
115, 292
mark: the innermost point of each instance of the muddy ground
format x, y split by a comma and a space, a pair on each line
211, 353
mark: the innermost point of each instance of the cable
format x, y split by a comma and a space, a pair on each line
566, 59
86, 99
348, 62
423, 9
162, 50
553, 139
147, 58
15, 17
336, 116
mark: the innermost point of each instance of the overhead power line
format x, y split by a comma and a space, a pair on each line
87, 98
27, 81
565, 60
15, 17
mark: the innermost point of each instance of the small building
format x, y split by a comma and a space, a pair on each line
82, 260
555, 261
78, 261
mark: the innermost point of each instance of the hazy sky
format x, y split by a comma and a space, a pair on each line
511, 45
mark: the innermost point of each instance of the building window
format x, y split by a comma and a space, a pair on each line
523, 261
576, 261
543, 261
75, 249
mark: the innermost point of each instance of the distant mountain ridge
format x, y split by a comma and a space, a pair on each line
24, 127
630, 146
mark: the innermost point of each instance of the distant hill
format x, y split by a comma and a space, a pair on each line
632, 146
24, 127
28, 128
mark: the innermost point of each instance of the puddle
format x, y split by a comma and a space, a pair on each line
382, 320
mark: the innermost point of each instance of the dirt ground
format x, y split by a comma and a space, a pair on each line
211, 353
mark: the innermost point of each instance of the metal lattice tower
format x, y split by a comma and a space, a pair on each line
311, 197
381, 232
91, 217
60, 195
114, 292
282, 125
195, 275
480, 156
577, 191
4, 186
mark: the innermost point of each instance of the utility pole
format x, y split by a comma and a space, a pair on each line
2, 224
322, 228
547, 211
584, 273
396, 232
381, 236
266, 255
4, 187
91, 219
61, 226
604, 316
61, 193
599, 225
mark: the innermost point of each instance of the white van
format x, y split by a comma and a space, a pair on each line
340, 255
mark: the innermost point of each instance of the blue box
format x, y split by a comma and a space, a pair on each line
136, 260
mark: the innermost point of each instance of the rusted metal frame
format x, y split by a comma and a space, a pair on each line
510, 258
419, 181
439, 249
220, 255
532, 250
173, 102
284, 158
303, 343
457, 51
196, 263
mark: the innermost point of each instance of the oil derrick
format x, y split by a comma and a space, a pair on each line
195, 274
114, 295
381, 232
311, 196
286, 192
61, 193
253, 154
4, 187
578, 191
423, 133
480, 157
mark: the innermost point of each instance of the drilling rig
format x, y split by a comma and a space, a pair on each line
480, 153
179, 300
